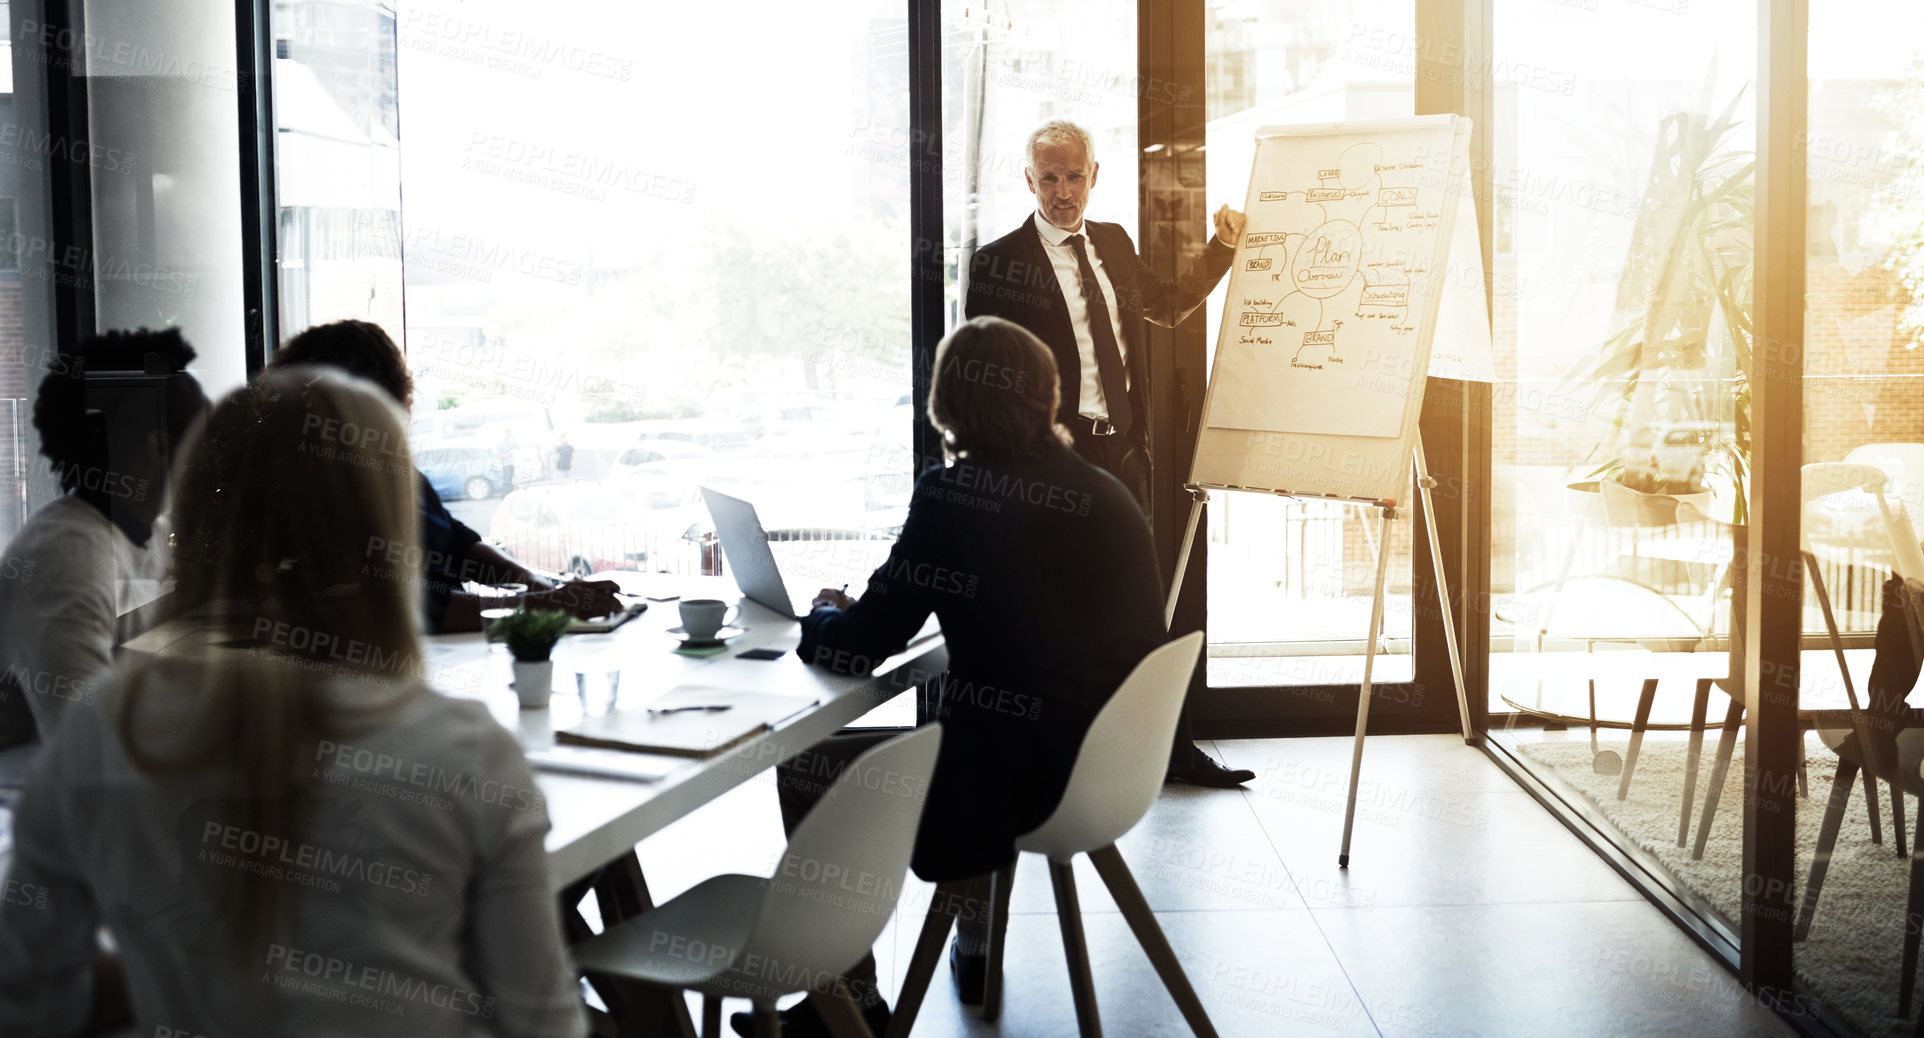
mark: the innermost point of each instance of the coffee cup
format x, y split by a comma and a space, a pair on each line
702, 617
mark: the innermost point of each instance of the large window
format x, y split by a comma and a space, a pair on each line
338, 164
1863, 379
119, 198
622, 267
1290, 581
1008, 68
19, 364
1623, 192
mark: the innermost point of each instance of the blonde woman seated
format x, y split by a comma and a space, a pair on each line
289, 834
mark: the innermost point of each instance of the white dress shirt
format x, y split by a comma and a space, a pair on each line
1091, 403
69, 583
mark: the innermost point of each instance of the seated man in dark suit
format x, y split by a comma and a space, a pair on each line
1040, 568
451, 552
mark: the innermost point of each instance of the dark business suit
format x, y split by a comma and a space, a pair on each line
1044, 579
1012, 278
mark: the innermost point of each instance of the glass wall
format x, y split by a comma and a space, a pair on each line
1864, 425
20, 362
337, 154
1008, 68
1290, 581
166, 224
148, 143
1622, 193
629, 271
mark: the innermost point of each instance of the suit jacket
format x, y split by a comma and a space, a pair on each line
1045, 581
1012, 278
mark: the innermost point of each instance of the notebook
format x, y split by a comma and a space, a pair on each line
687, 732
604, 763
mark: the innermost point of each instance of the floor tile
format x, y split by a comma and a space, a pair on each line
1257, 973
1413, 844
1196, 849
1605, 969
1468, 911
1437, 763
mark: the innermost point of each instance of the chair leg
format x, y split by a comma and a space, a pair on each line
1644, 700
1803, 770
837, 1009
1870, 794
1698, 708
1897, 817
1840, 795
1001, 893
1726, 748
1593, 706
1913, 921
711, 1006
1135, 909
768, 1022
1069, 914
928, 948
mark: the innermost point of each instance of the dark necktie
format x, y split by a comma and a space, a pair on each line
1108, 356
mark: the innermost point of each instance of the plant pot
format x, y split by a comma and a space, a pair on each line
1619, 505
533, 683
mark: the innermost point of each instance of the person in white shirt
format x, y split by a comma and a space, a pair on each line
289, 833
109, 415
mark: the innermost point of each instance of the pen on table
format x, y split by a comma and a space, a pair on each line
708, 709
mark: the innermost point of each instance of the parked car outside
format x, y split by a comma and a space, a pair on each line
720, 437
654, 454
584, 528
1671, 457
465, 468
521, 430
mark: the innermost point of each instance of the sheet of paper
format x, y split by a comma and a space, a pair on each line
1460, 348
1332, 280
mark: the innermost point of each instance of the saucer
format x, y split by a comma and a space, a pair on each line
722, 635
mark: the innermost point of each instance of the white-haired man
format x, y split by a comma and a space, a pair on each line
1080, 287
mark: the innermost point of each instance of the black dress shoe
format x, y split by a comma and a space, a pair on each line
1200, 769
803, 1022
971, 973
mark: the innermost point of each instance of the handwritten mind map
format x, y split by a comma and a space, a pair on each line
1330, 295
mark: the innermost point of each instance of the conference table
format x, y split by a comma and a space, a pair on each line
598, 819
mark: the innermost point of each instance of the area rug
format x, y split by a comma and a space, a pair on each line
1850, 963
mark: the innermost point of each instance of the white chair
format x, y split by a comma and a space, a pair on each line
1821, 483
1908, 565
763, 938
1821, 480
1117, 774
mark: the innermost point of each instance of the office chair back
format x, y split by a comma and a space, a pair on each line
839, 879
1822, 479
1907, 558
1123, 759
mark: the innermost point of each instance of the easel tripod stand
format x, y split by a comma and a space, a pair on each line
1387, 510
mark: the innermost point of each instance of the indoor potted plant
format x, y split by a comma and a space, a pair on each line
1672, 377
531, 635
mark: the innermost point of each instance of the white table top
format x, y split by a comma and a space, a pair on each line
597, 819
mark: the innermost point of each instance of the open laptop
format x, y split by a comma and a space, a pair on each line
745, 543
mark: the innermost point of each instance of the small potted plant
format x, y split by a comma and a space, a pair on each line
531, 635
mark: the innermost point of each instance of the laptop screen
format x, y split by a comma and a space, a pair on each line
746, 545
